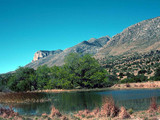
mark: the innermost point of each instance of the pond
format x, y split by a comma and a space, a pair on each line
68, 102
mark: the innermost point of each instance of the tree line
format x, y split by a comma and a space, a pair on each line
79, 71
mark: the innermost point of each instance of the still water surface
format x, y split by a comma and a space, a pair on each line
70, 102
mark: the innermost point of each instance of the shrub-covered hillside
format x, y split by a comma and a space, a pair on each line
133, 64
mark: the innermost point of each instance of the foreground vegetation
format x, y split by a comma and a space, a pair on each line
107, 111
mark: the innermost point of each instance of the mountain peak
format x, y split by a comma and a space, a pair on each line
57, 57
91, 40
141, 37
44, 53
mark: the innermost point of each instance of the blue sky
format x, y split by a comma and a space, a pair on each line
27, 26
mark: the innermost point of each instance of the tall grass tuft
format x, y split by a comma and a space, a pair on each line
109, 108
55, 115
55, 112
153, 105
123, 114
7, 113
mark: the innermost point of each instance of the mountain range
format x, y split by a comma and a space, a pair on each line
56, 57
139, 38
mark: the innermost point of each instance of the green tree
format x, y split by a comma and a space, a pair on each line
142, 71
133, 78
86, 72
42, 76
121, 75
59, 78
4, 78
157, 74
22, 80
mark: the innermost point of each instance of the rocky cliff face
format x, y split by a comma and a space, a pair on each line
141, 37
49, 58
42, 54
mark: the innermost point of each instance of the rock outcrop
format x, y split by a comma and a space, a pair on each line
43, 53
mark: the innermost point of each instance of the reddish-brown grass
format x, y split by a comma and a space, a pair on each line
109, 108
123, 113
153, 105
7, 113
55, 112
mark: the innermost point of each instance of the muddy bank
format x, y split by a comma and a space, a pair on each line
70, 90
149, 85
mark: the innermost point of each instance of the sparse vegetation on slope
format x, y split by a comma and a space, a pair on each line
134, 67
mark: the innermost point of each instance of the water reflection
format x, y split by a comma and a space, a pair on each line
74, 101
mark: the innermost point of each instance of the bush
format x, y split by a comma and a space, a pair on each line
142, 71
157, 75
132, 79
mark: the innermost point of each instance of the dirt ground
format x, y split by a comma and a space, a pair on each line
149, 84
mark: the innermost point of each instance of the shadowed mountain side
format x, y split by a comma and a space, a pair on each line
91, 46
141, 37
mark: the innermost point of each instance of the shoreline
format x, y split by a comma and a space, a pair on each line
140, 85
94, 114
122, 86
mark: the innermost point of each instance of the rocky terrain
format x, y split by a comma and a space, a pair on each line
43, 53
52, 58
140, 38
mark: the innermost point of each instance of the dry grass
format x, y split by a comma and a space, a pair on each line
88, 114
109, 108
54, 115
7, 113
22, 97
123, 114
108, 111
55, 112
149, 84
153, 105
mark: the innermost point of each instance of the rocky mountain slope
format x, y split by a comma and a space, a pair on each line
141, 37
51, 58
